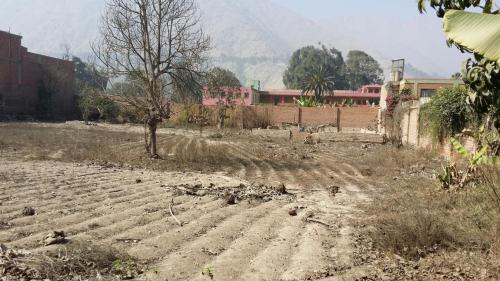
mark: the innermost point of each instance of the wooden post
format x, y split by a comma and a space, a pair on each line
339, 129
300, 116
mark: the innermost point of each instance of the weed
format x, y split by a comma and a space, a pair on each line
416, 217
207, 271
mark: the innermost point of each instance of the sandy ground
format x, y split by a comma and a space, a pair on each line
250, 240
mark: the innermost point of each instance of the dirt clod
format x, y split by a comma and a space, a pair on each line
138, 181
28, 211
334, 190
56, 237
293, 212
230, 199
281, 188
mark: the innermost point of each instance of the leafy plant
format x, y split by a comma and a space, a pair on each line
392, 101
406, 95
446, 114
95, 101
207, 271
451, 177
223, 85
481, 74
305, 101
318, 82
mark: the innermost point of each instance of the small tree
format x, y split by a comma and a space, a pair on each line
223, 85
151, 42
94, 101
318, 82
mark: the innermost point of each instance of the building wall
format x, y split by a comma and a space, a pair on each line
350, 117
416, 86
243, 96
22, 74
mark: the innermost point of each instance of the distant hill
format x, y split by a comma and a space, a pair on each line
253, 38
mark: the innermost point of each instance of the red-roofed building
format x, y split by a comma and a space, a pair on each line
367, 95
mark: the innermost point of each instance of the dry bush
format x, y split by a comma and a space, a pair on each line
82, 261
388, 159
415, 217
209, 154
238, 117
186, 114
255, 118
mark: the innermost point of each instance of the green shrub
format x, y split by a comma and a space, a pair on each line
446, 114
95, 102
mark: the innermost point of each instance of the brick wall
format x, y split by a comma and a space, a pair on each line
350, 117
21, 75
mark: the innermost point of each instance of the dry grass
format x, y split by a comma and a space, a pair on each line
237, 117
82, 261
104, 147
413, 216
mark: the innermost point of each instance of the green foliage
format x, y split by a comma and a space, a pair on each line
207, 271
456, 76
407, 95
305, 101
392, 101
443, 5
222, 84
461, 29
451, 177
362, 69
447, 113
483, 76
482, 73
318, 82
307, 59
88, 76
95, 102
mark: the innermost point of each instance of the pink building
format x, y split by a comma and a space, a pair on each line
245, 96
369, 94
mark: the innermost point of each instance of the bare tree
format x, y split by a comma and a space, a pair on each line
150, 42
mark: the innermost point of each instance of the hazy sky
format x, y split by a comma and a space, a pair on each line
323, 9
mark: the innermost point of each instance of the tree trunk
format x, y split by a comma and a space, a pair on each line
152, 126
222, 116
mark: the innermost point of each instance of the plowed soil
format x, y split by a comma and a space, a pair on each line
128, 209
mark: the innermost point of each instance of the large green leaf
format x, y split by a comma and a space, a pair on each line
479, 33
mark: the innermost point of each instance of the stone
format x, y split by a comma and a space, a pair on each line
28, 211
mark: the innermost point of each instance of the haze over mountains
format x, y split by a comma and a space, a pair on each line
253, 38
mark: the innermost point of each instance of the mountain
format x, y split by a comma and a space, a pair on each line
253, 38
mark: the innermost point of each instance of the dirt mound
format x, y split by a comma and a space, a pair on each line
233, 194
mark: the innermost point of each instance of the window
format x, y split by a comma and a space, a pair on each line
427, 93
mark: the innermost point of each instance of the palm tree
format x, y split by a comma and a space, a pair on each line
318, 82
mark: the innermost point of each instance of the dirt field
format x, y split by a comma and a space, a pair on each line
120, 206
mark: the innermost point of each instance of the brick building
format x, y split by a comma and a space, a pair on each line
367, 95
30, 83
422, 88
